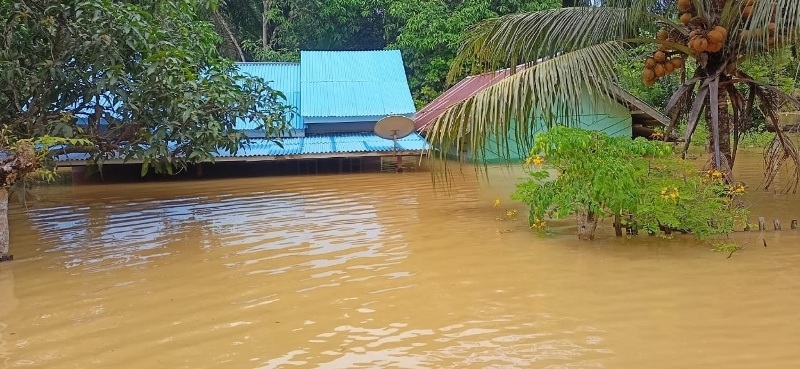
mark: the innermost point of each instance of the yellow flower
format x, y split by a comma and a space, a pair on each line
667, 193
511, 213
537, 160
538, 224
496, 202
738, 188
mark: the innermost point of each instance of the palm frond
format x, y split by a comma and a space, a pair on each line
781, 149
771, 25
741, 109
517, 39
698, 107
553, 90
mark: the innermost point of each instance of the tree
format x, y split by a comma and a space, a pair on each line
592, 175
569, 51
140, 81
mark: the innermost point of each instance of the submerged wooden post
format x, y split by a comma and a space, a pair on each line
617, 225
777, 224
761, 224
794, 224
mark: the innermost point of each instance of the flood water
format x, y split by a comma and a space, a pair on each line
379, 271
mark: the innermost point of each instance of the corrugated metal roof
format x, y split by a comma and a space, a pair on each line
461, 91
354, 84
284, 77
330, 144
309, 145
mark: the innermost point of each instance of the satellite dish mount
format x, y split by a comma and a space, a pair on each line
395, 127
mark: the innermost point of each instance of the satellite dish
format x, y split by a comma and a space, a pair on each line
392, 128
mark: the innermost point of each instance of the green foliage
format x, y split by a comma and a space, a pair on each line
142, 79
585, 171
39, 168
276, 30
573, 171
754, 139
777, 68
726, 246
269, 55
676, 197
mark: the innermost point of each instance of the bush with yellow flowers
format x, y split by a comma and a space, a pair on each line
675, 196
591, 175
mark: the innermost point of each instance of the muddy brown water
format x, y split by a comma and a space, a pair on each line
379, 270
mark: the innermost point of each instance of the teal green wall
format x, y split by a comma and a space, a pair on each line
605, 115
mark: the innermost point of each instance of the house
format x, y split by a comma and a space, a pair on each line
621, 115
338, 96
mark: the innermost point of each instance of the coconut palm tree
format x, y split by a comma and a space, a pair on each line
559, 56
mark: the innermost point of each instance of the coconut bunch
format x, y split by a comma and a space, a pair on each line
660, 65
710, 41
702, 38
664, 61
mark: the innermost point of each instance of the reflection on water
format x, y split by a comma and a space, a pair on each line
377, 270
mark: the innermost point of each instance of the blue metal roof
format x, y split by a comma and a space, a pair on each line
330, 144
354, 84
284, 77
314, 144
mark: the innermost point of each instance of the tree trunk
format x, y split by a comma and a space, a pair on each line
13, 169
223, 23
724, 134
4, 255
587, 224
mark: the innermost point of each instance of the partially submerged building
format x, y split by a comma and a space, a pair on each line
338, 97
621, 115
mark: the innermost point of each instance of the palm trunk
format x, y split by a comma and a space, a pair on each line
587, 224
723, 133
4, 234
